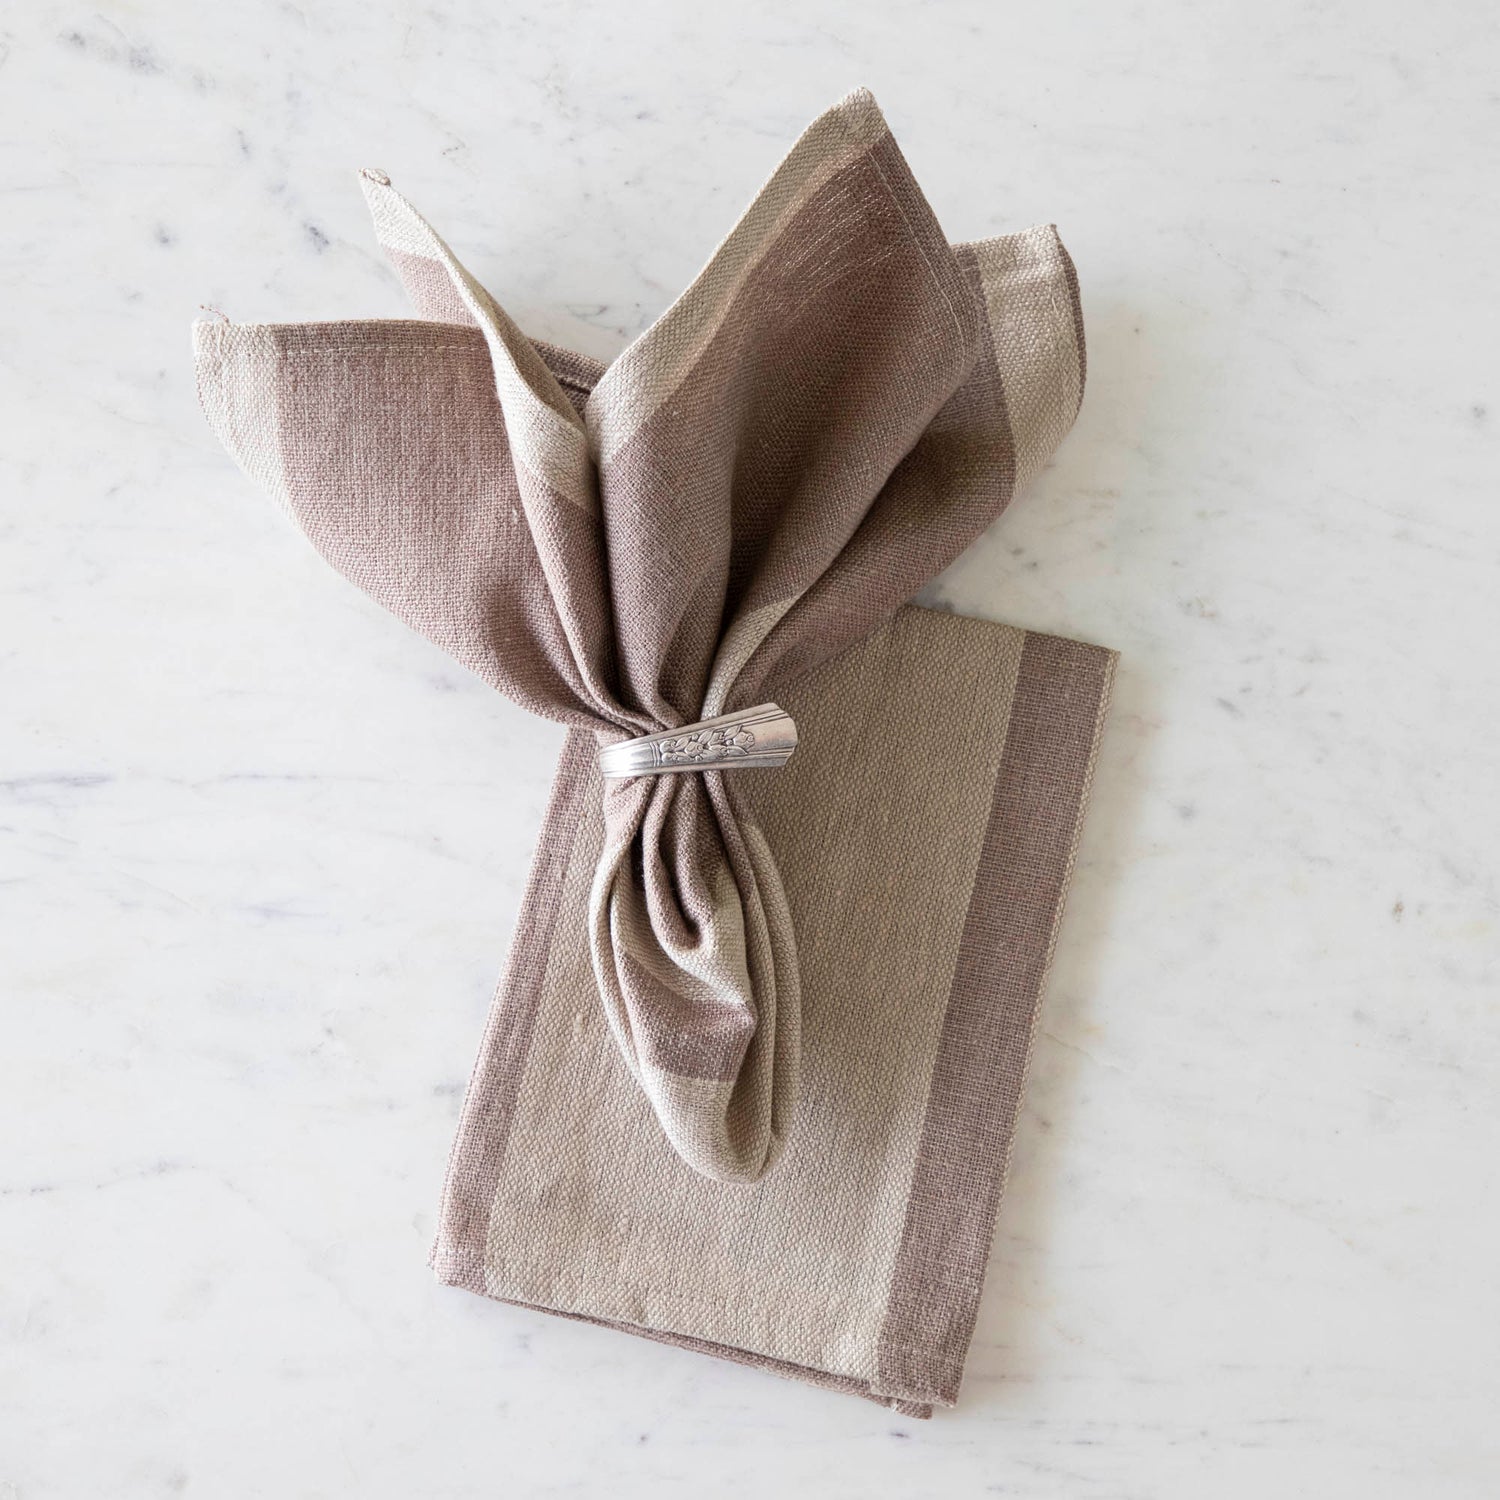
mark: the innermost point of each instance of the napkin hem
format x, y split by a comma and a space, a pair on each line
469, 1275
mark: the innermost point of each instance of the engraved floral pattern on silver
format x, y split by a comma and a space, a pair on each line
707, 744
761, 736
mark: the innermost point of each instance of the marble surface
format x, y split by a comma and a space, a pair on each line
262, 848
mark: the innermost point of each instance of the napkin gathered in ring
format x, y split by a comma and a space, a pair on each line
733, 511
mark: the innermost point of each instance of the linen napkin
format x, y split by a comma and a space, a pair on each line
750, 1081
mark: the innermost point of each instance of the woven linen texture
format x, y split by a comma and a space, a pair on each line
837, 406
752, 1075
926, 888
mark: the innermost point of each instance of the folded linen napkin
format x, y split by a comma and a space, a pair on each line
751, 1077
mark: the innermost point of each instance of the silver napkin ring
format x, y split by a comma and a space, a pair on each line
759, 736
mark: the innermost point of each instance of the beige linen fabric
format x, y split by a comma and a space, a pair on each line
925, 838
728, 1096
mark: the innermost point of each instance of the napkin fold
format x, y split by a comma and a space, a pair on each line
733, 510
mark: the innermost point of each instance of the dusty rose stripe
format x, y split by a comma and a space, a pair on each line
489, 1107
980, 1073
430, 288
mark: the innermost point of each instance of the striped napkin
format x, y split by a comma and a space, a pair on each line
750, 1081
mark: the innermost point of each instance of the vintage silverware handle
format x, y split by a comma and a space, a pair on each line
759, 736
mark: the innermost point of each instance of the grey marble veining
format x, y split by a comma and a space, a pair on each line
261, 849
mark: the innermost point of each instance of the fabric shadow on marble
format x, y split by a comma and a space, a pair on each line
751, 1078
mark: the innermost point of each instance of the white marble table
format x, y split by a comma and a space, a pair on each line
262, 848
